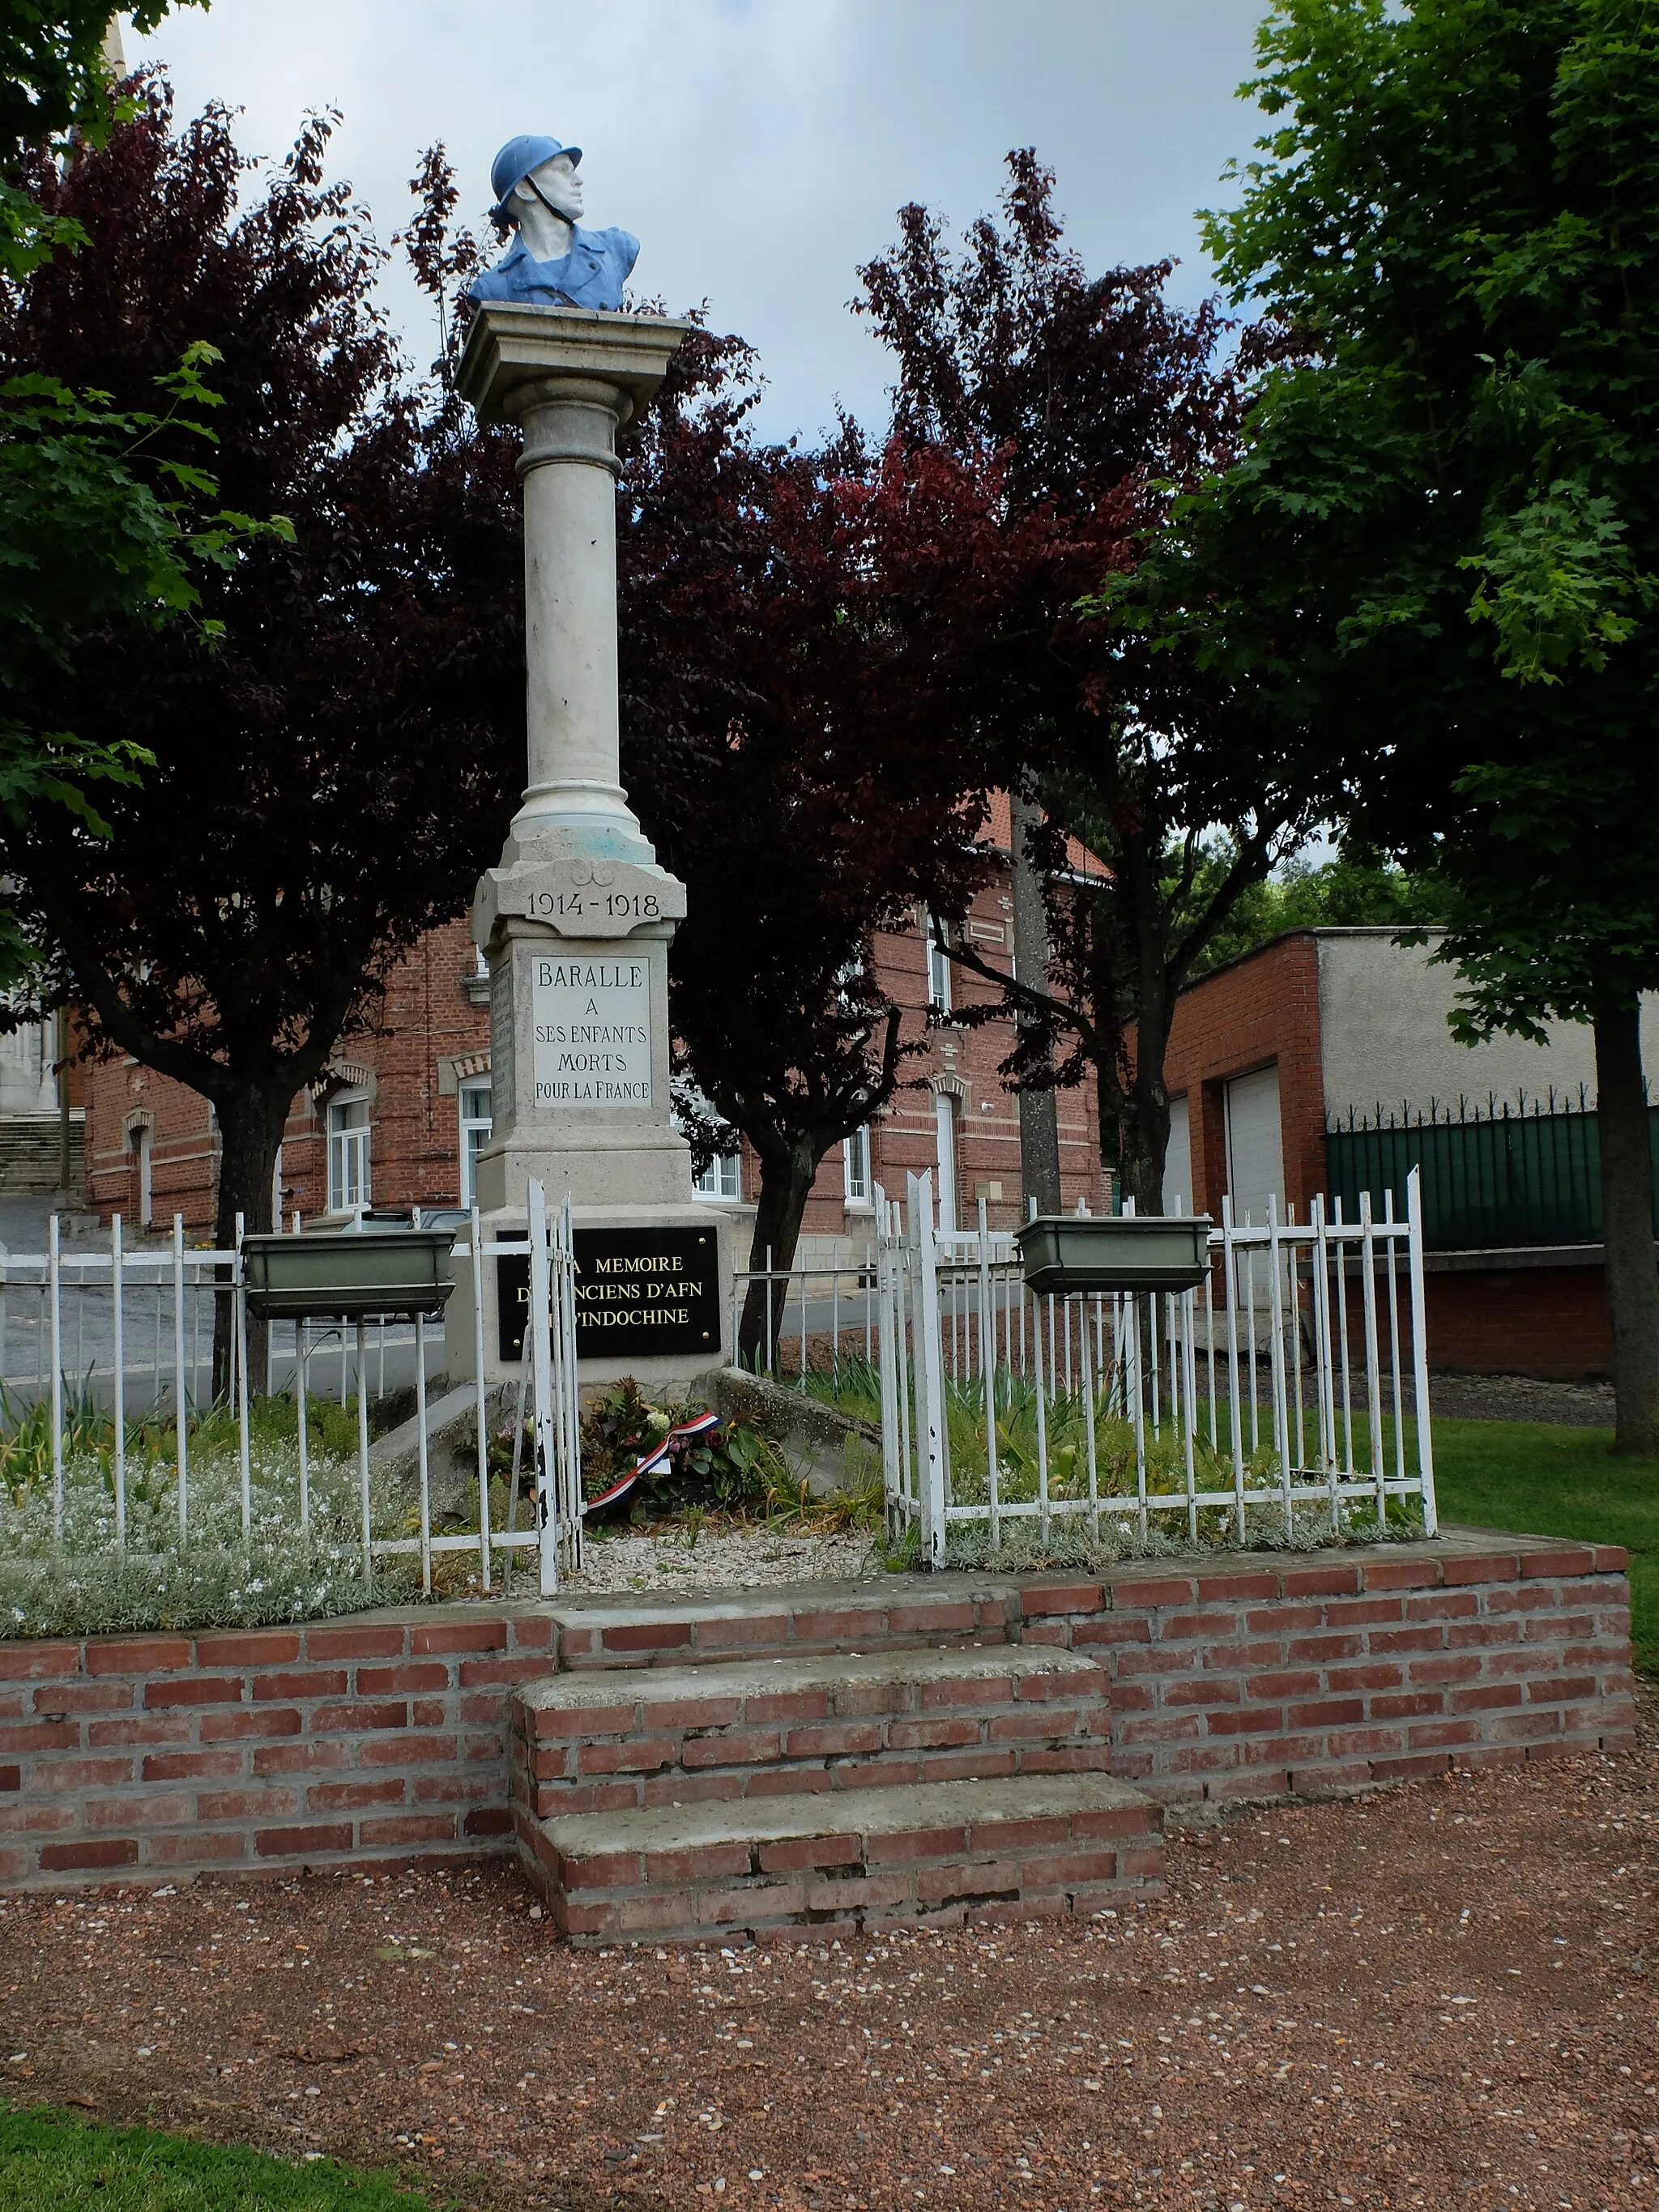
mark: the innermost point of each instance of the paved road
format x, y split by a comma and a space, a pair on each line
149, 1324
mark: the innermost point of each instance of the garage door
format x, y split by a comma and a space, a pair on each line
1256, 1157
1178, 1160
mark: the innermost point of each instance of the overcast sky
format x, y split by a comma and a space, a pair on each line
758, 147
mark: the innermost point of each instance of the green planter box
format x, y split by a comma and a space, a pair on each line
375, 1271
1064, 1252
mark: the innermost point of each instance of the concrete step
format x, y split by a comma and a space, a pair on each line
933, 1854
31, 1154
689, 1627
604, 1742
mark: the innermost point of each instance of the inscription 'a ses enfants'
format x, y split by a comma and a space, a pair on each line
592, 1031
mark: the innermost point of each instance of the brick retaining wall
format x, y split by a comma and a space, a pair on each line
377, 1736
385, 1736
1267, 1679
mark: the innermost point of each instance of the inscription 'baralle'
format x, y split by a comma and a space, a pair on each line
591, 1022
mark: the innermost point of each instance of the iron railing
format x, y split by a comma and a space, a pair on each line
1295, 1378
1495, 1177
127, 1330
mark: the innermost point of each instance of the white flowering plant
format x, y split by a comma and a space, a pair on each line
87, 1581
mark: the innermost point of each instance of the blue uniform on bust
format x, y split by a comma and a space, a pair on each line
552, 262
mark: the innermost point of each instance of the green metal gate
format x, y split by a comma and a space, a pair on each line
1494, 1176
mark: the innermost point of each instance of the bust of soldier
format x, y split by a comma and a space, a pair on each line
552, 261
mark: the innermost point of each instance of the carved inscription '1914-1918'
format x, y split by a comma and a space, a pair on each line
592, 1025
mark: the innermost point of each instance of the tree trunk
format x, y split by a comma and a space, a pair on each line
786, 1176
1144, 1139
1632, 1274
251, 1134
1039, 1113
1144, 1122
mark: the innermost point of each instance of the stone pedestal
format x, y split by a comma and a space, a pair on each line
576, 920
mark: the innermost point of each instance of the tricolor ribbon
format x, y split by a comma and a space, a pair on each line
656, 1457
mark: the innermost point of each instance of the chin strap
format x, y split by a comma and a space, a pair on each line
569, 221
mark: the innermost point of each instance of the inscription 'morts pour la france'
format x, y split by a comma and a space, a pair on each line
591, 1028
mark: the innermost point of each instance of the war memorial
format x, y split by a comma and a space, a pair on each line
577, 917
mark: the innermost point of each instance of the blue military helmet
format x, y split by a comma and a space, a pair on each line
513, 164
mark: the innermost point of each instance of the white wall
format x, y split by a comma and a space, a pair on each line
1255, 1145
1178, 1160
28, 1083
1382, 1011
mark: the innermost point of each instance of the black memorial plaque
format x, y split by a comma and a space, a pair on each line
639, 1291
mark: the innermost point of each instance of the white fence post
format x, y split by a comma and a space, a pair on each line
931, 1432
421, 1445
988, 1360
567, 1393
1281, 1399
547, 1503
480, 1407
1373, 1363
1323, 1331
891, 1467
1229, 1280
362, 1439
239, 1296
302, 1413
54, 1287
1420, 1350
181, 1420
1040, 1372
118, 1317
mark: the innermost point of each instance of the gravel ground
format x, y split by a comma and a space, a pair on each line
1519, 1397
743, 1559
1433, 1997
1457, 1397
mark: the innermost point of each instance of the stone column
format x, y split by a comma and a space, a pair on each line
574, 380
576, 920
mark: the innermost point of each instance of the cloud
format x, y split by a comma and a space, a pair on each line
758, 147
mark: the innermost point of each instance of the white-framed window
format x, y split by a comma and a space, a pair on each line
939, 970
141, 1141
945, 1123
721, 1178
855, 1167
477, 1118
348, 1151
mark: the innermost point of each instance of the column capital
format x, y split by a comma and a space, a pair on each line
514, 353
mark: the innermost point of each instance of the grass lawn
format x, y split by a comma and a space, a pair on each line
1537, 1478
48, 2160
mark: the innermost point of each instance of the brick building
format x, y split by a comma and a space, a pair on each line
402, 1113
1322, 1062
1266, 1058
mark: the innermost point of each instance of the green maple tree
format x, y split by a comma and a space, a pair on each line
1435, 561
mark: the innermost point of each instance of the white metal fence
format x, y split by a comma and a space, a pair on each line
1292, 1381
812, 1311
126, 1334
1277, 1388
